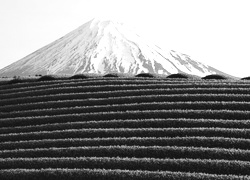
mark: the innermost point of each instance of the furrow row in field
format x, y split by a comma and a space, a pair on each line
93, 88
192, 141
132, 123
115, 82
240, 106
33, 83
132, 151
127, 132
189, 114
32, 86
139, 87
21, 105
225, 167
107, 80
56, 82
128, 96
25, 84
66, 173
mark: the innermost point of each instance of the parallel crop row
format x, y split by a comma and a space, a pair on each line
23, 85
154, 87
122, 82
189, 114
102, 174
152, 164
132, 151
102, 98
240, 106
127, 132
212, 142
132, 123
95, 82
97, 79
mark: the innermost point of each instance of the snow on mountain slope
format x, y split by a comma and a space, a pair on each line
103, 46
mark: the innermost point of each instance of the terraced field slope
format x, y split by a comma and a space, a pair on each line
125, 128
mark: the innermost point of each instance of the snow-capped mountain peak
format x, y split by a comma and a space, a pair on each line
103, 46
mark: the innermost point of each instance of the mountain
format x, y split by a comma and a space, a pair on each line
103, 46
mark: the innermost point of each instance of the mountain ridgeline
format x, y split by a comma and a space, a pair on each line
102, 47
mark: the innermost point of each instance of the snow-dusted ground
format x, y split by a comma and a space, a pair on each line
102, 46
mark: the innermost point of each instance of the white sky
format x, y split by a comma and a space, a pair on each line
216, 32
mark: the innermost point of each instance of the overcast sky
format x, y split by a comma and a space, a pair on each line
216, 32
